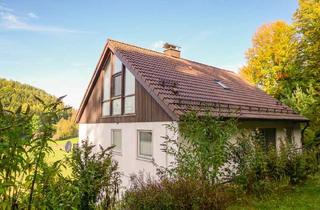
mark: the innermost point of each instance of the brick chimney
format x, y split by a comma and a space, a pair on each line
171, 50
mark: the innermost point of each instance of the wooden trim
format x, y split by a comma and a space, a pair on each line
267, 123
172, 115
122, 88
93, 80
109, 58
109, 49
113, 78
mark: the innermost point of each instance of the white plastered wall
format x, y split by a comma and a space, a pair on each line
281, 137
129, 162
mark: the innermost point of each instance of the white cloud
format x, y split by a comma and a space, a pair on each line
10, 21
32, 15
157, 45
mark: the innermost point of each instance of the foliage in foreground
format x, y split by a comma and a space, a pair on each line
95, 175
211, 172
24, 143
182, 193
28, 181
261, 170
200, 148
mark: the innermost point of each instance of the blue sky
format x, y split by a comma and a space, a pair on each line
55, 45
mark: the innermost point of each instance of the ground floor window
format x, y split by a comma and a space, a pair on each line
269, 136
145, 144
116, 140
289, 135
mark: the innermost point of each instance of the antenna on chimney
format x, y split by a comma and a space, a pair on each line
171, 50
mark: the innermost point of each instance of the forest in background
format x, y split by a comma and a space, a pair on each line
15, 95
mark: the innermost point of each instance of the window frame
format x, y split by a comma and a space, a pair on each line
129, 95
290, 135
266, 133
112, 84
112, 59
112, 141
108, 61
141, 156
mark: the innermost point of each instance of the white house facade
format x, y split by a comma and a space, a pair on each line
135, 92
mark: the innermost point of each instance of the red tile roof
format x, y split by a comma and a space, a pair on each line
185, 85
182, 85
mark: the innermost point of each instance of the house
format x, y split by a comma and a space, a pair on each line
134, 92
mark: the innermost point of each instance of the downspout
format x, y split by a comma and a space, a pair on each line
302, 132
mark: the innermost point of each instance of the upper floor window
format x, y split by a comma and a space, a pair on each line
129, 99
106, 88
118, 89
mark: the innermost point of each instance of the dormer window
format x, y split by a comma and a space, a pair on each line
119, 89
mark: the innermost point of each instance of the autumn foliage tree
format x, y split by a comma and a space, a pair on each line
284, 61
66, 128
270, 60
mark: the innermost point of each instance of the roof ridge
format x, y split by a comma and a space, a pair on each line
196, 62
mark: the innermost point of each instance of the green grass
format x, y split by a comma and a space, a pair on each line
60, 153
301, 197
58, 148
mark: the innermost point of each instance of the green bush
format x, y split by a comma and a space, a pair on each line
192, 180
176, 194
28, 181
95, 176
262, 170
200, 148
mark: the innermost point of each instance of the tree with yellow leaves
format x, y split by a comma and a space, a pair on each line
271, 57
284, 61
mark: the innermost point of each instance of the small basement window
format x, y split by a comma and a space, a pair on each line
224, 86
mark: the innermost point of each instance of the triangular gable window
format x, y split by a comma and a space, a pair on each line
118, 89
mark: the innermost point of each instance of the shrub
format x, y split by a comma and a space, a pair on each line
176, 194
24, 144
192, 180
200, 148
95, 176
262, 170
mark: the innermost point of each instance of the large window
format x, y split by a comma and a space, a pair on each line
118, 89
116, 85
145, 144
129, 87
106, 88
116, 140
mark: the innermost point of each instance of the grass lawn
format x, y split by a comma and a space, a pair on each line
306, 196
59, 151
58, 147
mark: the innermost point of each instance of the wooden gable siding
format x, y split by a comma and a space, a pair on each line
146, 108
